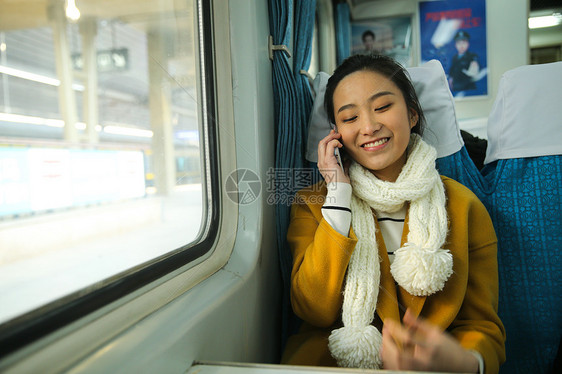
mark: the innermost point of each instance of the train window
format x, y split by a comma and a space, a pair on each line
104, 147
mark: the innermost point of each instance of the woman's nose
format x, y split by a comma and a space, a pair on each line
369, 125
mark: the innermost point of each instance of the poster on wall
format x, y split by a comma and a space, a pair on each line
388, 36
454, 32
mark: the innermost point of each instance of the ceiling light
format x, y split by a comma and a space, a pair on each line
32, 120
35, 77
545, 21
129, 131
72, 12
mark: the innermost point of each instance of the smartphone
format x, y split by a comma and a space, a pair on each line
337, 150
338, 157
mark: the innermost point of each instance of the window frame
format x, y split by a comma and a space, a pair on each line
39, 323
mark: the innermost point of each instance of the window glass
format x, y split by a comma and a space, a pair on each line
100, 153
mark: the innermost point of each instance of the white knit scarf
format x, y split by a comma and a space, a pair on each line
421, 267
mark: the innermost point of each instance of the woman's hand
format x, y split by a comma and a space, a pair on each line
418, 345
327, 163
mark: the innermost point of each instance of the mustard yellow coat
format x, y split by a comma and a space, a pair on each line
466, 307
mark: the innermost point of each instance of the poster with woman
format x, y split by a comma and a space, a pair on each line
454, 32
388, 36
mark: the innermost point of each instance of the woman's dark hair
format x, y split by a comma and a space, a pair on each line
382, 65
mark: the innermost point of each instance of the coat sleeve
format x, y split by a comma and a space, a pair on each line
477, 325
320, 259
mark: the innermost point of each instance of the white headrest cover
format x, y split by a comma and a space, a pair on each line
436, 100
525, 120
319, 124
442, 129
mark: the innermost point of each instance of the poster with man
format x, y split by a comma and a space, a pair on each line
388, 36
454, 32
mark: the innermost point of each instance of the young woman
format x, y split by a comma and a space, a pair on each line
394, 266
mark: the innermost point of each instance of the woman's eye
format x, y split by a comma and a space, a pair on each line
382, 107
349, 119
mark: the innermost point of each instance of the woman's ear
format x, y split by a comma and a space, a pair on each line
413, 118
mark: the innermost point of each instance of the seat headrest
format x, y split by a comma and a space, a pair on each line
318, 124
436, 100
525, 120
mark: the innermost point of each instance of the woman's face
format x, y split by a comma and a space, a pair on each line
372, 117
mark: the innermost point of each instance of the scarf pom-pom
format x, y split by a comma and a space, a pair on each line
421, 271
356, 347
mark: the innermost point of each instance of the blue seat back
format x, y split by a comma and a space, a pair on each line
521, 186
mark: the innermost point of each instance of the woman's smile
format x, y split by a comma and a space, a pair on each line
375, 145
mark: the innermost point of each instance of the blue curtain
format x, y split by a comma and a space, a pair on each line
343, 31
304, 26
293, 102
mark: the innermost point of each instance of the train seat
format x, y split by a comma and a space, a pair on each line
523, 169
521, 187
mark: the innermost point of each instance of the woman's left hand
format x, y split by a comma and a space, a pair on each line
418, 345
